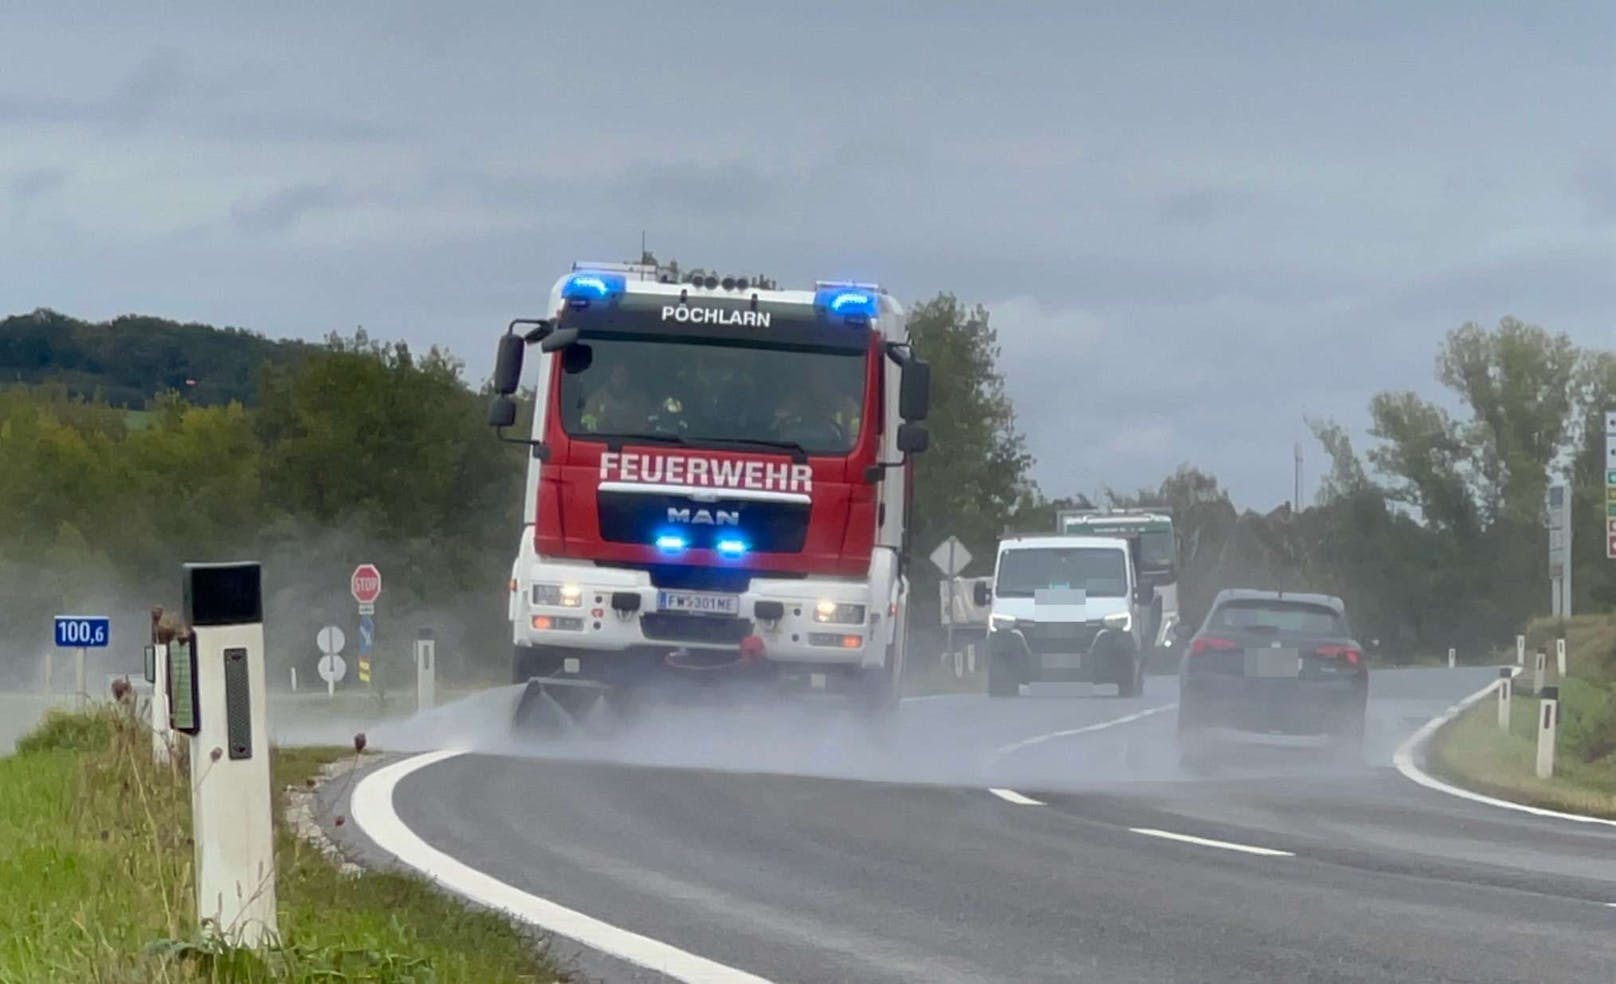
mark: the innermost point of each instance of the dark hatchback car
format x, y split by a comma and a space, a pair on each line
1272, 662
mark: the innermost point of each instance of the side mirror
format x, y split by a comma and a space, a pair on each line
914, 391
913, 438
502, 412
508, 364
559, 339
982, 594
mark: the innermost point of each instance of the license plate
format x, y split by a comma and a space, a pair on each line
698, 602
1059, 630
1273, 663
1061, 661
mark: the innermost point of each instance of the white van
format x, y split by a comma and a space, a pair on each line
1066, 609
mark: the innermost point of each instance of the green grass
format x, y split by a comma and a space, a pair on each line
95, 882
1475, 753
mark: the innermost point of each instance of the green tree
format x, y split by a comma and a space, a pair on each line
974, 477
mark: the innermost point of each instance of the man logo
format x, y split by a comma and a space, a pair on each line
704, 517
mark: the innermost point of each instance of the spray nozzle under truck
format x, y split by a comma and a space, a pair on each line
720, 480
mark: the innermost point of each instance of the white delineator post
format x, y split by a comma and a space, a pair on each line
1506, 683
1520, 650
1540, 666
1453, 657
1548, 725
426, 670
294, 679
1560, 658
162, 738
230, 784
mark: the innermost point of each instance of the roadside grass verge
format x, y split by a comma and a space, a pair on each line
1474, 753
96, 882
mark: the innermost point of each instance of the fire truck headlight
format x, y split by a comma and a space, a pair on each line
562, 595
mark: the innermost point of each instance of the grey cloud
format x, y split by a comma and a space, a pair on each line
154, 83
37, 182
693, 188
1595, 185
280, 210
1200, 206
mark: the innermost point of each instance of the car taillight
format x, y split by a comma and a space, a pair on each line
1203, 644
1333, 651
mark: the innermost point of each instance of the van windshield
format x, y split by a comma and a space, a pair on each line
1100, 571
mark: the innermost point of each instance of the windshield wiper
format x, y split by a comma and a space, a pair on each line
615, 442
798, 452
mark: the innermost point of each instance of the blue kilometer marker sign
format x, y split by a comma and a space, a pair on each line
83, 631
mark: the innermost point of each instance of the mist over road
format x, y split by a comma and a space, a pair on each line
745, 842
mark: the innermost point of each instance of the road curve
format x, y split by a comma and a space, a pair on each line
789, 847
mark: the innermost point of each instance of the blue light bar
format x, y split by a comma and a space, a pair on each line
858, 306
671, 543
731, 547
585, 287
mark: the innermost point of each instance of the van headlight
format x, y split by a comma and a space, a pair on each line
838, 613
1121, 621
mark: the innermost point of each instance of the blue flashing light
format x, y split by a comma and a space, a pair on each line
581, 289
856, 305
671, 543
731, 546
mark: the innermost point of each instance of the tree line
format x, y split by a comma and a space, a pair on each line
356, 449
1435, 535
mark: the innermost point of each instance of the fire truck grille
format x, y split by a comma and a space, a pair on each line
708, 629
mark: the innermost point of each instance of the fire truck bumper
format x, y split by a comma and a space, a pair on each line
591, 612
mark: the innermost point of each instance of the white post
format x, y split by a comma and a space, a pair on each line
79, 693
162, 740
1520, 650
294, 679
1548, 724
230, 785
1560, 657
1452, 658
426, 671
1539, 668
1506, 682
331, 687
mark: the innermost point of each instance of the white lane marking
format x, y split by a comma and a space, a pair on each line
1409, 753
1016, 746
1011, 796
372, 809
1266, 852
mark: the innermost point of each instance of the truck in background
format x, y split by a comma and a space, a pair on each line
1154, 545
720, 480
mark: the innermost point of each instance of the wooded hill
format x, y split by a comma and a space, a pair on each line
129, 360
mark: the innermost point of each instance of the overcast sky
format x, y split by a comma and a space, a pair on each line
1194, 224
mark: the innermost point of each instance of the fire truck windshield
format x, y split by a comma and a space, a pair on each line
702, 390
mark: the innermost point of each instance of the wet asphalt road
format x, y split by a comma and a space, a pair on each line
786, 844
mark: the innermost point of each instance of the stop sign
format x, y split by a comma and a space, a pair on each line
366, 584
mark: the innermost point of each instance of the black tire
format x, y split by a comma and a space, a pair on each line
1004, 674
1133, 684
